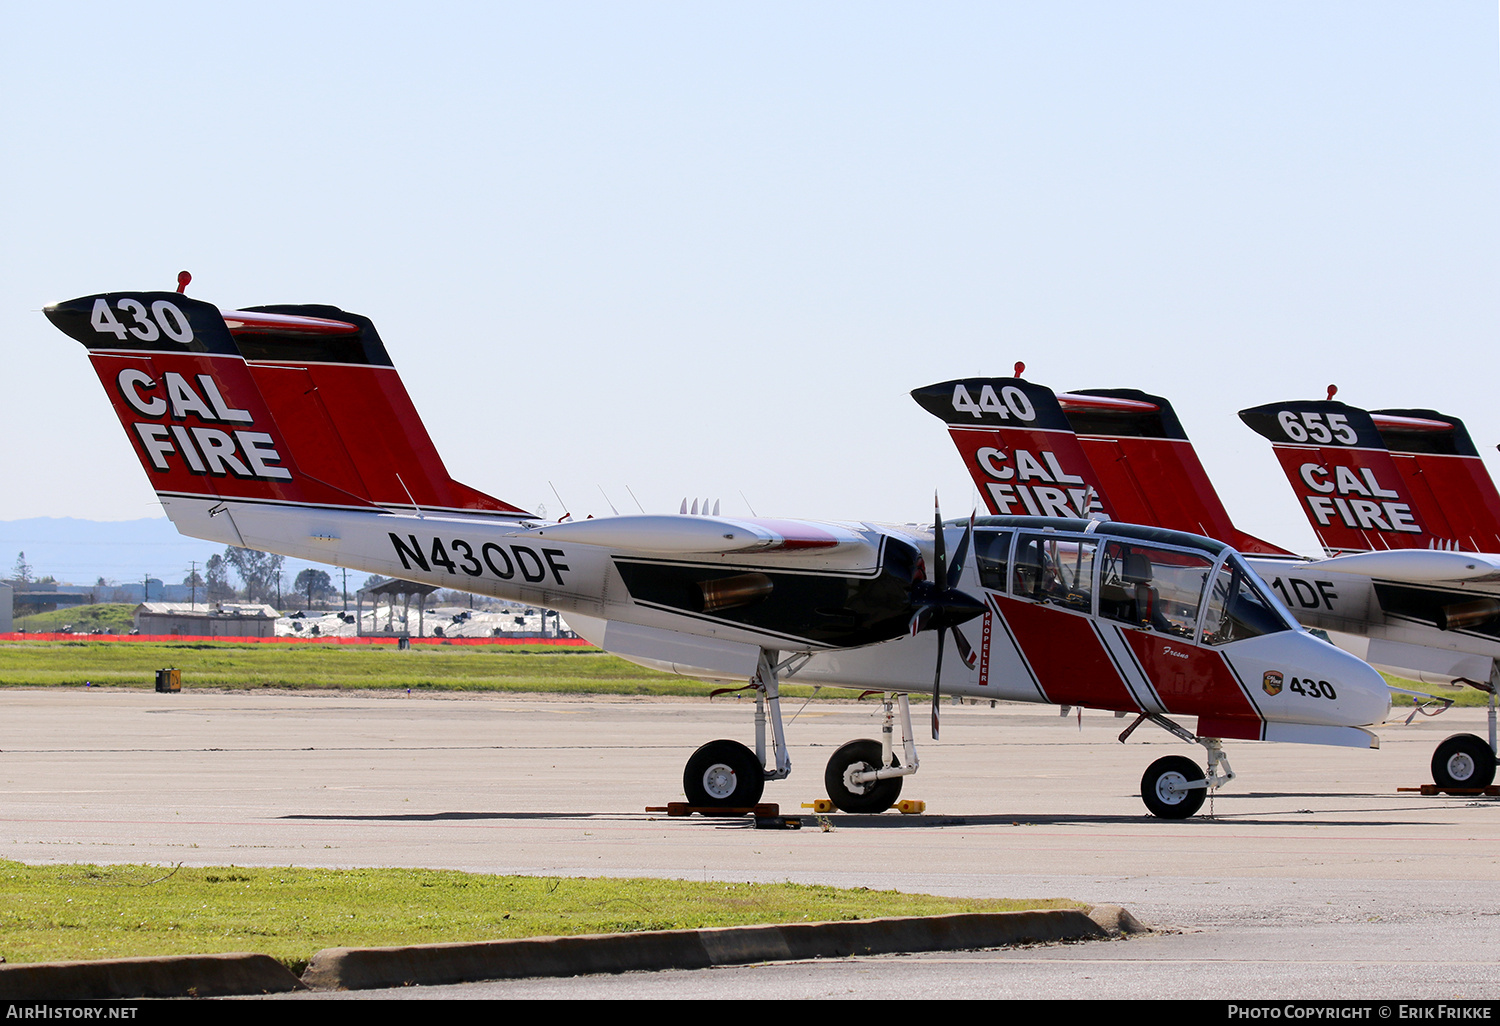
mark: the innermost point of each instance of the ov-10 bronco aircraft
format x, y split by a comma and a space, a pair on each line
286, 429
1396, 589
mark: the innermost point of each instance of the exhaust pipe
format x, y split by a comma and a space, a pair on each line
737, 591
1467, 614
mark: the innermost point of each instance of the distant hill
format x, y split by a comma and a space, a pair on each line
121, 551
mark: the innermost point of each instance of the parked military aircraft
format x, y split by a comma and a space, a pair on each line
1413, 611
286, 429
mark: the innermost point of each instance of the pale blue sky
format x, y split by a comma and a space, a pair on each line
706, 248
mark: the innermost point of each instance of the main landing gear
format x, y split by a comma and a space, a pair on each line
727, 775
1466, 761
1463, 761
862, 776
1175, 787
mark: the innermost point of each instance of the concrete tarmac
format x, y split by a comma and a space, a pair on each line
1309, 843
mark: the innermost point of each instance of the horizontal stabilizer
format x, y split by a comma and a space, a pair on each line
1147, 467
1446, 477
329, 381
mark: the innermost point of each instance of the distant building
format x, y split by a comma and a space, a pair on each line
220, 620
45, 596
6, 623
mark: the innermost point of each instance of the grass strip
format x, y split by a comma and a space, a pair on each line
66, 912
314, 666
335, 667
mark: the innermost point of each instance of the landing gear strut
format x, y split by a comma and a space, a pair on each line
725, 774
865, 776
1466, 760
1174, 787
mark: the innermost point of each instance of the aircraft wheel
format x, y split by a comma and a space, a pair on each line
1463, 761
1165, 788
857, 757
723, 774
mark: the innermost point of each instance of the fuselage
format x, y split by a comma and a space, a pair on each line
1415, 629
1076, 612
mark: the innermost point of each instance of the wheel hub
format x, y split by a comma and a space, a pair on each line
1461, 766
719, 780
850, 770
1171, 787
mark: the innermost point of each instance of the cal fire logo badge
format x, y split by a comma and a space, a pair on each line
1271, 682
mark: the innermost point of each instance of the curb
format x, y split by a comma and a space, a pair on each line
431, 964
161, 977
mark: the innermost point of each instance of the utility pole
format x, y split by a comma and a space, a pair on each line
346, 587
146, 589
193, 583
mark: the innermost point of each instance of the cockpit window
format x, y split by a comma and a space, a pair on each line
1059, 570
1150, 587
992, 555
1238, 609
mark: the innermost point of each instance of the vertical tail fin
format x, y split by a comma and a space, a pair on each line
186, 399
1147, 466
328, 380
1445, 476
1350, 489
1018, 446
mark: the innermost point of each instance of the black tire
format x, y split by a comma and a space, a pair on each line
857, 756
723, 775
1164, 788
1463, 761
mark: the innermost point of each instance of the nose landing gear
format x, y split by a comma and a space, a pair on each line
865, 776
1174, 787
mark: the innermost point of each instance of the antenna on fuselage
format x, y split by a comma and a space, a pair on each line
566, 515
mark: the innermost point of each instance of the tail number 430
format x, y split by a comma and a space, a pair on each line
164, 318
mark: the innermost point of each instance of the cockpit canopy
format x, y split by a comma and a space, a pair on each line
1175, 584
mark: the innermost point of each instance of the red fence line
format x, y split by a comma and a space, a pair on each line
558, 642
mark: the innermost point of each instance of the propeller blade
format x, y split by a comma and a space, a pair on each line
956, 567
965, 651
939, 547
937, 682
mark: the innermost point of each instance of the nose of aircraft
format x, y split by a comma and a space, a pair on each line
1334, 686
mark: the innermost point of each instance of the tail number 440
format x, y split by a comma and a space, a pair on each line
1009, 401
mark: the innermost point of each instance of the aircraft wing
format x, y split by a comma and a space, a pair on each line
1417, 566
668, 535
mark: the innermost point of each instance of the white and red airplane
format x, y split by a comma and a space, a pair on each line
287, 429
1396, 592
